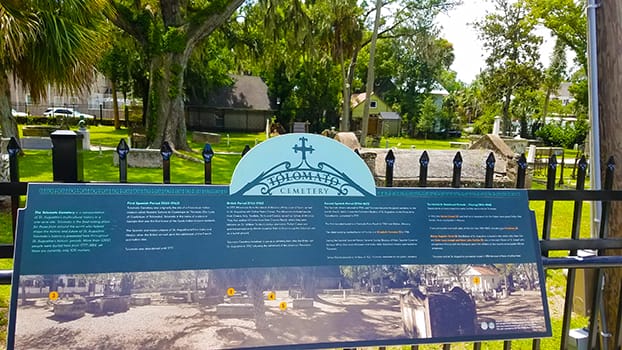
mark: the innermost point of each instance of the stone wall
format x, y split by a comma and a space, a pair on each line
440, 168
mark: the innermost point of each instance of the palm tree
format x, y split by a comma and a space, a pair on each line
46, 43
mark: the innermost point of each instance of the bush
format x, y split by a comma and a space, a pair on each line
564, 136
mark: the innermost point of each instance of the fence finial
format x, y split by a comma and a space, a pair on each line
208, 153
13, 147
123, 149
455, 182
166, 151
246, 149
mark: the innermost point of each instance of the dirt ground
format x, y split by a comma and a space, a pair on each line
521, 311
333, 318
190, 326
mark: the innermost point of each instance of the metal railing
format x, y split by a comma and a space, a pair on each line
573, 244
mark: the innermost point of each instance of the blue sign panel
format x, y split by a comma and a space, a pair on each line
255, 266
302, 165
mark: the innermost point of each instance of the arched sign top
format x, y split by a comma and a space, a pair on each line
302, 165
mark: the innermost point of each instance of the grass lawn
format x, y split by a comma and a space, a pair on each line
36, 166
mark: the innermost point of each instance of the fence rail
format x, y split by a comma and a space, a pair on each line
598, 333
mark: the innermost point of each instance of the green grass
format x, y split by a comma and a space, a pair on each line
407, 142
36, 166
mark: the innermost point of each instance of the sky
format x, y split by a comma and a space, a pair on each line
469, 54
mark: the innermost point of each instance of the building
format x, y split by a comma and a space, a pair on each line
243, 106
482, 279
382, 120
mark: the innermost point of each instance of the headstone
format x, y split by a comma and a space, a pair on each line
349, 139
205, 137
531, 155
70, 309
34, 142
141, 158
86, 135
496, 127
38, 130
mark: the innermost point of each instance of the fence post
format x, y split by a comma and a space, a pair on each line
574, 234
424, 161
521, 172
14, 150
246, 149
166, 151
561, 171
599, 275
548, 204
455, 181
390, 161
67, 161
122, 150
208, 154
490, 170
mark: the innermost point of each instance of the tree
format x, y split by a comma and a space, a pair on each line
512, 61
32, 33
118, 64
554, 75
609, 19
567, 20
168, 32
429, 114
413, 25
456, 270
369, 89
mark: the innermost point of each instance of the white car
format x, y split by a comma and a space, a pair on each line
66, 112
18, 114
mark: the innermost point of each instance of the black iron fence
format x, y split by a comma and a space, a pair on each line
599, 335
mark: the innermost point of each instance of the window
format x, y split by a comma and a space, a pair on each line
373, 104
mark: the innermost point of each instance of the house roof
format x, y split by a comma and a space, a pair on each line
357, 99
482, 271
390, 116
247, 92
439, 92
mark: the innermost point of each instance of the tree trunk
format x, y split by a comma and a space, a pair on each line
166, 120
507, 123
345, 117
115, 105
609, 41
7, 121
545, 107
370, 76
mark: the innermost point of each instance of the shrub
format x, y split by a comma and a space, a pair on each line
566, 136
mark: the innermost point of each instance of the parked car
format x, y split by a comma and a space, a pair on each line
66, 112
18, 114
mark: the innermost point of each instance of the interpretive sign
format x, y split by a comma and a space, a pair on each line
300, 251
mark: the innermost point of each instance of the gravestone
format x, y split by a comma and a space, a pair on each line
141, 158
70, 309
205, 137
349, 139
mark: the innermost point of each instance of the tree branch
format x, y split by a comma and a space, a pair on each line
120, 16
